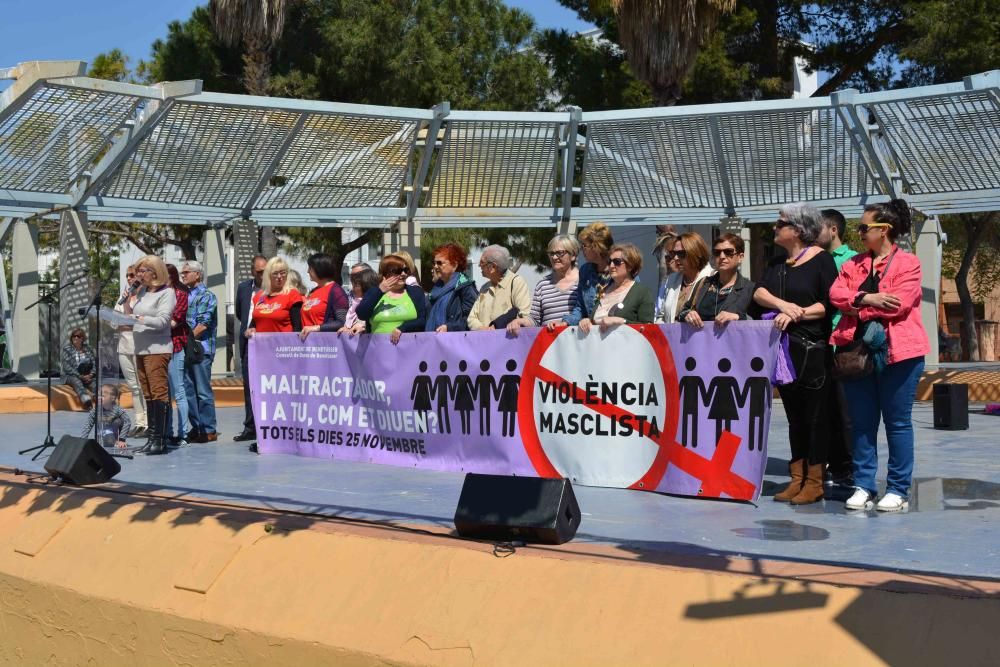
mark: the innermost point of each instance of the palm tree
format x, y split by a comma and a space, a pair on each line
662, 38
257, 25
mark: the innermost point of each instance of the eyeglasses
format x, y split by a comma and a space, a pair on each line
184, 273
394, 272
780, 224
438, 262
618, 261
279, 274
677, 254
863, 228
557, 254
144, 270
728, 252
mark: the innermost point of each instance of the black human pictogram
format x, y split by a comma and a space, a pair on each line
465, 397
486, 388
507, 389
756, 394
443, 392
420, 393
693, 395
724, 399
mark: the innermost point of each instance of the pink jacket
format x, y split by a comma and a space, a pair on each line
905, 331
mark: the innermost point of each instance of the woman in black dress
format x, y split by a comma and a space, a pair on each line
797, 287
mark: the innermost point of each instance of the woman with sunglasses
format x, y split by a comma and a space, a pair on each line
78, 367
724, 296
126, 356
624, 301
879, 294
796, 287
276, 307
453, 294
393, 307
688, 263
555, 294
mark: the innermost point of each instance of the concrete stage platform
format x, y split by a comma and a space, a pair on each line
650, 579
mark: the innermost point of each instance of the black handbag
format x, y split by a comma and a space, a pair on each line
194, 353
854, 360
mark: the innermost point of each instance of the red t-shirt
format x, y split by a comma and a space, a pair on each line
273, 314
314, 306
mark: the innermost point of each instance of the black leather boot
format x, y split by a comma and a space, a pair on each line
157, 427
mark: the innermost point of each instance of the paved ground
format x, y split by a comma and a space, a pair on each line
951, 527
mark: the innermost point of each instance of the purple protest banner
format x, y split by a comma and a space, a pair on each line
656, 407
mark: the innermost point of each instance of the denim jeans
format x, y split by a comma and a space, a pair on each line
887, 395
198, 381
175, 374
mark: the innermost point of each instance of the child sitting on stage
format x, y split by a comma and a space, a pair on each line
114, 421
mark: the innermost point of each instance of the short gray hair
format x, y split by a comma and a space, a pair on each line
194, 265
567, 243
804, 217
498, 255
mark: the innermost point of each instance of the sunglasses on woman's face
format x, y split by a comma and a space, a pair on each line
394, 272
676, 254
863, 228
728, 252
617, 261
558, 254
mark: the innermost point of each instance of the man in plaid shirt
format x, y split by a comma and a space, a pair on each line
202, 317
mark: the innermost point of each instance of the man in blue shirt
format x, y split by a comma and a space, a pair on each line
203, 318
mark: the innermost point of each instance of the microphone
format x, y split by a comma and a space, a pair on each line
133, 288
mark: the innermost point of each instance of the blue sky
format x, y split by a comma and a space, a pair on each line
79, 30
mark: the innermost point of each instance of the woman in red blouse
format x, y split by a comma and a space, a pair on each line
277, 308
175, 371
325, 308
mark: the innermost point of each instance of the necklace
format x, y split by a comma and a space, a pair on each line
792, 262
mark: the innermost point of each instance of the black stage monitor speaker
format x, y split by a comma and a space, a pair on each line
951, 407
81, 461
527, 509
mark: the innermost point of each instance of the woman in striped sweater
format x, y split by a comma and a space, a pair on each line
555, 293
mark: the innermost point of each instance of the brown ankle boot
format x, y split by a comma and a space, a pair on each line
812, 488
797, 470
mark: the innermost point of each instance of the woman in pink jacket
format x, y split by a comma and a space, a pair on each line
879, 293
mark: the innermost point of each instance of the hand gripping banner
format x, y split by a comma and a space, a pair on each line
653, 407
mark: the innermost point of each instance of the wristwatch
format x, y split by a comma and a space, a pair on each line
858, 299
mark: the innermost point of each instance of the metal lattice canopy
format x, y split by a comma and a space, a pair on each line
172, 153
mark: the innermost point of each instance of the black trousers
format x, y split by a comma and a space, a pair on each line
248, 420
840, 429
808, 412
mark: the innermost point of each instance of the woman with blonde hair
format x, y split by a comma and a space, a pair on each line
412, 278
688, 261
276, 307
126, 355
596, 242
154, 345
295, 282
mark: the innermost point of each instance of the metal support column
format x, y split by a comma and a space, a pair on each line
246, 244
74, 260
24, 339
928, 250
215, 281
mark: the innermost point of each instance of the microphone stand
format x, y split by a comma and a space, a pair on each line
48, 300
97, 303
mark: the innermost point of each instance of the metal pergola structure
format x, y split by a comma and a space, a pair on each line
73, 147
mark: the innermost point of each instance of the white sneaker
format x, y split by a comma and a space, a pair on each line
860, 500
892, 502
